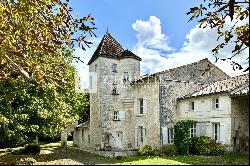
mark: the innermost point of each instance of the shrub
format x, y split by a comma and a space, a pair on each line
204, 145
200, 145
146, 150
32, 149
169, 150
217, 149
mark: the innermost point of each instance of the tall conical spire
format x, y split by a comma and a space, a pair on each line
110, 48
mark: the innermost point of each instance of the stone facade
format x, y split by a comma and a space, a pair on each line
129, 111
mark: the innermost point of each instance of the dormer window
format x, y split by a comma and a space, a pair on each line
114, 68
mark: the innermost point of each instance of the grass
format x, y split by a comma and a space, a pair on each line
183, 160
53, 154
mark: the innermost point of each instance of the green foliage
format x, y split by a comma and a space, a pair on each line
213, 14
32, 35
204, 145
146, 150
32, 149
30, 108
28, 149
182, 136
169, 150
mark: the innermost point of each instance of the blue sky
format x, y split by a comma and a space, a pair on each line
156, 30
119, 15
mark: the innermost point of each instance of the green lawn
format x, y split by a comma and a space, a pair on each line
193, 160
53, 154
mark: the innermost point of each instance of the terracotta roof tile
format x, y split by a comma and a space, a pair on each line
227, 85
110, 48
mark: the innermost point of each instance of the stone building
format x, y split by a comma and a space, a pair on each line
222, 111
128, 110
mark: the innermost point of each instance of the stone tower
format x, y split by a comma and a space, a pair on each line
114, 68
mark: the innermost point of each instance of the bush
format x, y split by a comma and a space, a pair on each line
169, 150
32, 149
204, 145
217, 149
27, 149
146, 150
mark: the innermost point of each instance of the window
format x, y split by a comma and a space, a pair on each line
116, 115
114, 90
141, 136
170, 135
141, 133
217, 103
193, 131
192, 105
141, 106
125, 77
114, 67
216, 131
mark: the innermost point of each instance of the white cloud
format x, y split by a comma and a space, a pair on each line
83, 68
199, 44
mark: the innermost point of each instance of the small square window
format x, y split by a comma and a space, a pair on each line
114, 67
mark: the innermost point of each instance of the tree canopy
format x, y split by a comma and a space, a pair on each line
213, 14
33, 34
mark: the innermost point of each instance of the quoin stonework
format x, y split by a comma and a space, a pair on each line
128, 111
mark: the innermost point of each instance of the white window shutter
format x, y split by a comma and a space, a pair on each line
222, 133
211, 101
186, 106
144, 136
122, 115
202, 129
164, 135
209, 129
144, 106
136, 136
135, 107
221, 104
198, 129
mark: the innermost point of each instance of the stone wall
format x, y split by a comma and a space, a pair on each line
104, 103
179, 81
204, 113
240, 122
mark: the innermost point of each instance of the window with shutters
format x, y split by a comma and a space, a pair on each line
170, 135
141, 106
216, 132
116, 115
193, 131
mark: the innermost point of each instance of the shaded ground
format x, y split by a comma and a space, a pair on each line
53, 154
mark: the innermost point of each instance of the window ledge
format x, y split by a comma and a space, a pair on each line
141, 114
116, 120
115, 94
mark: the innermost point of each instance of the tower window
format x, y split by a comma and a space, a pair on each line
114, 67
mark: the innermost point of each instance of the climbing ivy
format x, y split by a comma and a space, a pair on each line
182, 135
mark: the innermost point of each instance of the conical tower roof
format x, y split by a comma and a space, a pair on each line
110, 48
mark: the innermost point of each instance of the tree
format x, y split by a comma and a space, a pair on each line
32, 35
29, 108
213, 13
